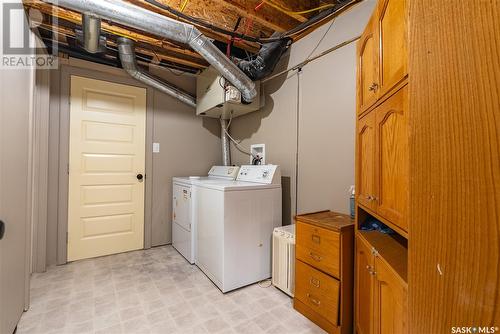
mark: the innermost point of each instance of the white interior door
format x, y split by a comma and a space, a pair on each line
106, 160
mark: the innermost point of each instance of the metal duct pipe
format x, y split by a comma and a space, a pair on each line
91, 32
226, 149
129, 63
137, 17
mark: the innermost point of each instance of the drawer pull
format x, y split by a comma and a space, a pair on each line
316, 239
314, 300
315, 257
315, 282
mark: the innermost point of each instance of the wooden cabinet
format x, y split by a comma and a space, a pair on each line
368, 67
392, 33
382, 53
381, 288
392, 156
383, 161
364, 287
365, 187
324, 270
389, 300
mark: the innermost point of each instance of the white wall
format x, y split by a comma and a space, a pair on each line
308, 123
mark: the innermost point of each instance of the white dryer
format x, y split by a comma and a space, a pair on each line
235, 222
183, 227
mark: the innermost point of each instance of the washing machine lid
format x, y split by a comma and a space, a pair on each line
188, 180
225, 185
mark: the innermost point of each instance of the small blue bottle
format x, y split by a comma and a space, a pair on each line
351, 201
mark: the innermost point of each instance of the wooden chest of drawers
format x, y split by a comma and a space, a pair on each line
324, 269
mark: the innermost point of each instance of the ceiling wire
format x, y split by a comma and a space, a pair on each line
291, 12
307, 61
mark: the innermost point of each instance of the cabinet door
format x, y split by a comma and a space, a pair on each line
367, 67
393, 43
364, 287
181, 206
392, 158
390, 295
365, 178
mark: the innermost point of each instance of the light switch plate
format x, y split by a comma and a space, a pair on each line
156, 147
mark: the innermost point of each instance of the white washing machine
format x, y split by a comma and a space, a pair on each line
183, 227
235, 222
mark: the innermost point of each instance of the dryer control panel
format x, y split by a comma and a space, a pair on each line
266, 174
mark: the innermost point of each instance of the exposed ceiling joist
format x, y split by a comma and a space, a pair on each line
248, 46
155, 52
263, 17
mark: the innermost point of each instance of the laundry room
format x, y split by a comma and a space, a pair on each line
263, 166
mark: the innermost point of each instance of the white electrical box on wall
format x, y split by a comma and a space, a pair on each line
258, 153
216, 99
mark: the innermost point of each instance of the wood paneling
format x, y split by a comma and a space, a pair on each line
454, 79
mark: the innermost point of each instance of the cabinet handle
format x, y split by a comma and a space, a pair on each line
316, 238
315, 257
314, 300
370, 270
315, 282
373, 87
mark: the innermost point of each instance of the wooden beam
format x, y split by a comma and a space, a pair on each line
294, 5
262, 17
152, 51
248, 46
76, 18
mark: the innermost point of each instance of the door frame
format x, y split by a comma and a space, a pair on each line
113, 76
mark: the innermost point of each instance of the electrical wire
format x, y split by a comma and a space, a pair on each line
325, 15
265, 283
291, 12
235, 142
184, 5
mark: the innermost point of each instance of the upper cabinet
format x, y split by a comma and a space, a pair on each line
382, 53
368, 66
392, 33
382, 161
392, 155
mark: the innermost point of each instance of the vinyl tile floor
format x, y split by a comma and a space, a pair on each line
151, 291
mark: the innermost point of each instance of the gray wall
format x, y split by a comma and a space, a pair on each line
308, 123
189, 145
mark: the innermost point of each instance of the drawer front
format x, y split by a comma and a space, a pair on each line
317, 290
318, 247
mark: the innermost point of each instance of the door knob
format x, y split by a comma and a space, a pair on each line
140, 177
2, 229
